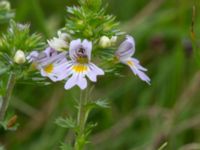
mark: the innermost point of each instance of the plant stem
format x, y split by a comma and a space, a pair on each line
81, 121
6, 97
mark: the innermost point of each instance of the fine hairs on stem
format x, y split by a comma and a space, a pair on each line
82, 116
6, 97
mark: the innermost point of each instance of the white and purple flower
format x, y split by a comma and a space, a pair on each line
79, 66
47, 61
124, 55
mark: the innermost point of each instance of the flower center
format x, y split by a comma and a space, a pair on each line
80, 68
82, 57
49, 68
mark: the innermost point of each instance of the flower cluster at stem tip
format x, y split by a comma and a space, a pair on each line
74, 65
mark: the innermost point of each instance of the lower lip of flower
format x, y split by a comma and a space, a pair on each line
80, 68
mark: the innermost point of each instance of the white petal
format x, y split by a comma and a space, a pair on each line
81, 81
96, 69
92, 75
138, 70
87, 45
43, 73
137, 64
73, 47
126, 49
71, 82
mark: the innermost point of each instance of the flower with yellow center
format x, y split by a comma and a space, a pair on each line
124, 55
47, 61
80, 65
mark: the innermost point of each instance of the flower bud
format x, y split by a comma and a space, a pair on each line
92, 4
104, 42
113, 40
63, 36
19, 57
60, 43
5, 5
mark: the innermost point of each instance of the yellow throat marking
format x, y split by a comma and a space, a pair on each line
79, 68
130, 63
49, 68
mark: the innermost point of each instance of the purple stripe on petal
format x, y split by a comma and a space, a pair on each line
73, 47
126, 49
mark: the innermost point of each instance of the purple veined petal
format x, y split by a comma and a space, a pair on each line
52, 59
144, 77
32, 56
137, 64
126, 49
136, 69
76, 79
51, 76
93, 72
63, 72
50, 52
87, 45
96, 69
73, 47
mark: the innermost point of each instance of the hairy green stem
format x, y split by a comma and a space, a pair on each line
81, 122
6, 97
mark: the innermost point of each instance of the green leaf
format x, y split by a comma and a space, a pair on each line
66, 146
163, 146
98, 104
18, 37
66, 122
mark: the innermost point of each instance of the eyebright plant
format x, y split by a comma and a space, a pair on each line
15, 44
84, 50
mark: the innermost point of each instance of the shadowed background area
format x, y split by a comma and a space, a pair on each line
140, 117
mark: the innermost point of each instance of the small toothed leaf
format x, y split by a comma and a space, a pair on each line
66, 122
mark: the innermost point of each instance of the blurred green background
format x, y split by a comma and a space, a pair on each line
141, 117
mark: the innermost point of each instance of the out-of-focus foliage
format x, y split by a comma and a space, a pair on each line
5, 12
140, 117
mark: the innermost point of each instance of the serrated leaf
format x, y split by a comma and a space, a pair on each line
66, 146
66, 122
96, 104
